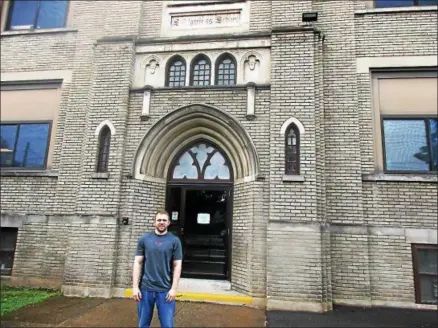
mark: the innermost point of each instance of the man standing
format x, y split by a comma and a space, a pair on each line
159, 254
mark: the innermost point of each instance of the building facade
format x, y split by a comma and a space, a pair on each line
296, 154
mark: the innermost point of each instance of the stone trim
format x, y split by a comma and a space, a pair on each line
23, 173
64, 75
290, 121
293, 178
412, 235
364, 64
38, 31
425, 178
190, 123
224, 36
12, 221
201, 87
100, 175
376, 11
102, 124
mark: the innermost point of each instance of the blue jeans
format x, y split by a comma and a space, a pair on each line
145, 309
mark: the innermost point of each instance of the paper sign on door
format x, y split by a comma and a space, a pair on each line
174, 216
203, 218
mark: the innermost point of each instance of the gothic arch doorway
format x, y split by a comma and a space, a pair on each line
199, 200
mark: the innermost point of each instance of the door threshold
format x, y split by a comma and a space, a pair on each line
194, 285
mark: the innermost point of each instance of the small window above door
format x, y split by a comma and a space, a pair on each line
202, 162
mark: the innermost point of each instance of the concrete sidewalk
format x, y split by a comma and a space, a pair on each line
116, 312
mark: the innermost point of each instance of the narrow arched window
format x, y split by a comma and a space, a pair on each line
292, 150
201, 70
104, 148
226, 70
176, 72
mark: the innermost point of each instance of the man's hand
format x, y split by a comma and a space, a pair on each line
136, 294
171, 295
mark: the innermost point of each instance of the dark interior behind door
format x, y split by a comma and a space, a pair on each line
202, 226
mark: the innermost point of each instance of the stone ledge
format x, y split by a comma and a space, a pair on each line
27, 173
293, 178
206, 87
100, 175
38, 31
432, 177
217, 37
391, 10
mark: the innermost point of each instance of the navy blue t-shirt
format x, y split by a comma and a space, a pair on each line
159, 252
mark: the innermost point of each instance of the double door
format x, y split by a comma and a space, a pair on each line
201, 218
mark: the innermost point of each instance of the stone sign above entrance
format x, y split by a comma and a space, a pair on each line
205, 18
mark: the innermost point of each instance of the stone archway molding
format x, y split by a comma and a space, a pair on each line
186, 124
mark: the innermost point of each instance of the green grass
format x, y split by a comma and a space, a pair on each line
14, 298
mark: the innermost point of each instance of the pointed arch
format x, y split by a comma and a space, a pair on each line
178, 129
102, 124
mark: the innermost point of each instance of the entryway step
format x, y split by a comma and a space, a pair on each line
207, 290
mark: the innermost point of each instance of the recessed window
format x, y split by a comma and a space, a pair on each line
37, 14
201, 70
226, 70
104, 148
292, 150
24, 145
176, 72
404, 3
410, 145
425, 273
8, 238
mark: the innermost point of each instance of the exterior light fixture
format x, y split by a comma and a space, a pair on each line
310, 17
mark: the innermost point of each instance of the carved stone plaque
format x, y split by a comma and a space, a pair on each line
199, 20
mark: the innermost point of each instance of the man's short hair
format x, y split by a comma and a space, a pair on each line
161, 211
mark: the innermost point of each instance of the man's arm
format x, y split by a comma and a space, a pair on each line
136, 272
177, 265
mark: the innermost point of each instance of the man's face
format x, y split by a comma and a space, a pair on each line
161, 222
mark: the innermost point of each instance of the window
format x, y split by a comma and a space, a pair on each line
425, 273
200, 74
292, 150
7, 249
176, 72
25, 14
226, 70
104, 148
410, 144
202, 161
404, 3
24, 145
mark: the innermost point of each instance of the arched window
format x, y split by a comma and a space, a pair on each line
201, 162
201, 70
292, 150
104, 148
226, 70
176, 72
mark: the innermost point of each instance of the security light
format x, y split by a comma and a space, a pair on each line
310, 17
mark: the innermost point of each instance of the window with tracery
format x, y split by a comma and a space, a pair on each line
201, 161
226, 70
292, 150
176, 73
201, 70
104, 148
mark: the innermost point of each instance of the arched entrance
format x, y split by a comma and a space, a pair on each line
199, 200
